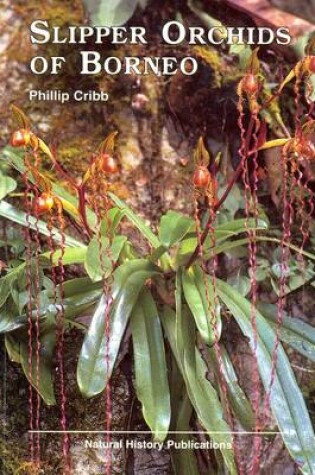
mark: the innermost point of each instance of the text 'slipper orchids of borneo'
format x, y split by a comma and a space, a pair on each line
125, 281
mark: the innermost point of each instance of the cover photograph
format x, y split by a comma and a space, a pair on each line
157, 232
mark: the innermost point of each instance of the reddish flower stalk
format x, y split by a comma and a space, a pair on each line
98, 200
253, 281
288, 197
299, 139
217, 205
28, 263
308, 195
37, 312
285, 255
82, 208
308, 95
250, 195
212, 313
307, 147
60, 322
298, 102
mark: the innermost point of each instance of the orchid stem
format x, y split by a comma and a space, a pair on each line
226, 193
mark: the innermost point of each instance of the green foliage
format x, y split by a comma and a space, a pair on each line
199, 295
7, 185
176, 316
113, 13
150, 365
286, 398
93, 372
201, 393
174, 226
102, 256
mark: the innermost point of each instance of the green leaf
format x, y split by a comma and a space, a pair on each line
42, 381
198, 291
70, 202
7, 185
79, 295
74, 287
174, 226
179, 307
17, 216
150, 365
69, 256
113, 13
94, 262
79, 303
184, 459
7, 281
222, 233
200, 391
138, 222
237, 226
9, 321
112, 221
92, 371
143, 228
99, 267
12, 346
239, 402
243, 51
293, 331
286, 399
240, 283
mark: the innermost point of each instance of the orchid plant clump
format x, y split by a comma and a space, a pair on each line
175, 298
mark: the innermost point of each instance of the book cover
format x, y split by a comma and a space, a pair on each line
157, 230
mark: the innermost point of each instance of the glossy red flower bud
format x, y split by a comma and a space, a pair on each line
20, 138
250, 84
44, 203
201, 177
109, 164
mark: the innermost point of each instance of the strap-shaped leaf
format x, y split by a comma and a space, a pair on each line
239, 402
17, 216
42, 381
293, 331
222, 233
98, 267
174, 226
150, 365
69, 256
237, 226
185, 462
138, 222
93, 371
9, 321
200, 391
185, 334
286, 399
199, 295
73, 287
143, 228
69, 202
